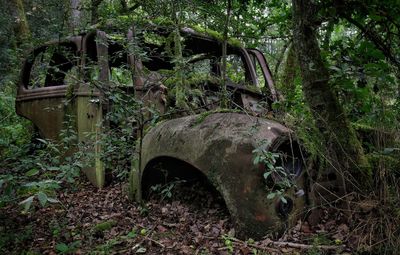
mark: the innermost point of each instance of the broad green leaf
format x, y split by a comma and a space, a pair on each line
271, 195
266, 174
141, 250
256, 160
52, 200
27, 203
390, 150
132, 234
32, 172
42, 198
53, 168
62, 247
42, 141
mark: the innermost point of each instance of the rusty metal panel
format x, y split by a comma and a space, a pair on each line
220, 146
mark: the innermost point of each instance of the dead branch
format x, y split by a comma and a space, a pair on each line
288, 244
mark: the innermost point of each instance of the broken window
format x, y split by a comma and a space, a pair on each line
119, 73
52, 66
235, 70
259, 72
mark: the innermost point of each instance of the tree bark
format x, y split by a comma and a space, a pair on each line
94, 11
224, 101
290, 72
21, 27
345, 152
75, 15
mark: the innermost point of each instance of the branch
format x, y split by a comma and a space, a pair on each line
308, 246
288, 244
375, 38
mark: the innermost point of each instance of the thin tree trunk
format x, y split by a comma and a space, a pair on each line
224, 54
345, 151
289, 75
280, 59
76, 15
21, 27
94, 11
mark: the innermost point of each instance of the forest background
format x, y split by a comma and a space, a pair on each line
336, 64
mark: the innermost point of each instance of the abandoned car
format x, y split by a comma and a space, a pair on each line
219, 145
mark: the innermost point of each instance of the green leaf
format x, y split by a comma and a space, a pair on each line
132, 234
335, 68
62, 247
32, 172
271, 195
141, 250
27, 203
266, 174
42, 141
283, 199
52, 200
53, 168
390, 150
42, 198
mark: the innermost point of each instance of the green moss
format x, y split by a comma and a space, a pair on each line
392, 163
163, 21
216, 35
153, 38
199, 29
69, 93
104, 226
201, 117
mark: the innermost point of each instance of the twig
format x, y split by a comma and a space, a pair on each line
154, 241
288, 244
308, 246
253, 245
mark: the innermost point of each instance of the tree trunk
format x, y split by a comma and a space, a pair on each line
224, 101
76, 15
21, 27
290, 72
94, 11
346, 155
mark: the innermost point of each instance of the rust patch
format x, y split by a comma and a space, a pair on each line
261, 217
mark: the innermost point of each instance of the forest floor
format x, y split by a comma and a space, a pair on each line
193, 221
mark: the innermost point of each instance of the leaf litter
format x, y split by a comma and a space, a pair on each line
193, 221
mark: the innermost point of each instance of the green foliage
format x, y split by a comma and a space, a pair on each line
63, 248
118, 136
274, 172
216, 35
104, 226
13, 129
166, 190
36, 177
364, 79
228, 243
362, 74
19, 238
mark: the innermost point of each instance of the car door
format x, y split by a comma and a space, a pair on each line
43, 85
53, 94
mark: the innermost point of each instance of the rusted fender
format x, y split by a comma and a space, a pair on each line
220, 145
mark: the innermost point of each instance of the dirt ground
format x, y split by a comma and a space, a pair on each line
191, 221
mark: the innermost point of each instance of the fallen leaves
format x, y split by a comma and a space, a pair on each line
194, 221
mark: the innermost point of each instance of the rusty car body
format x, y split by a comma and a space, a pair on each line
215, 144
